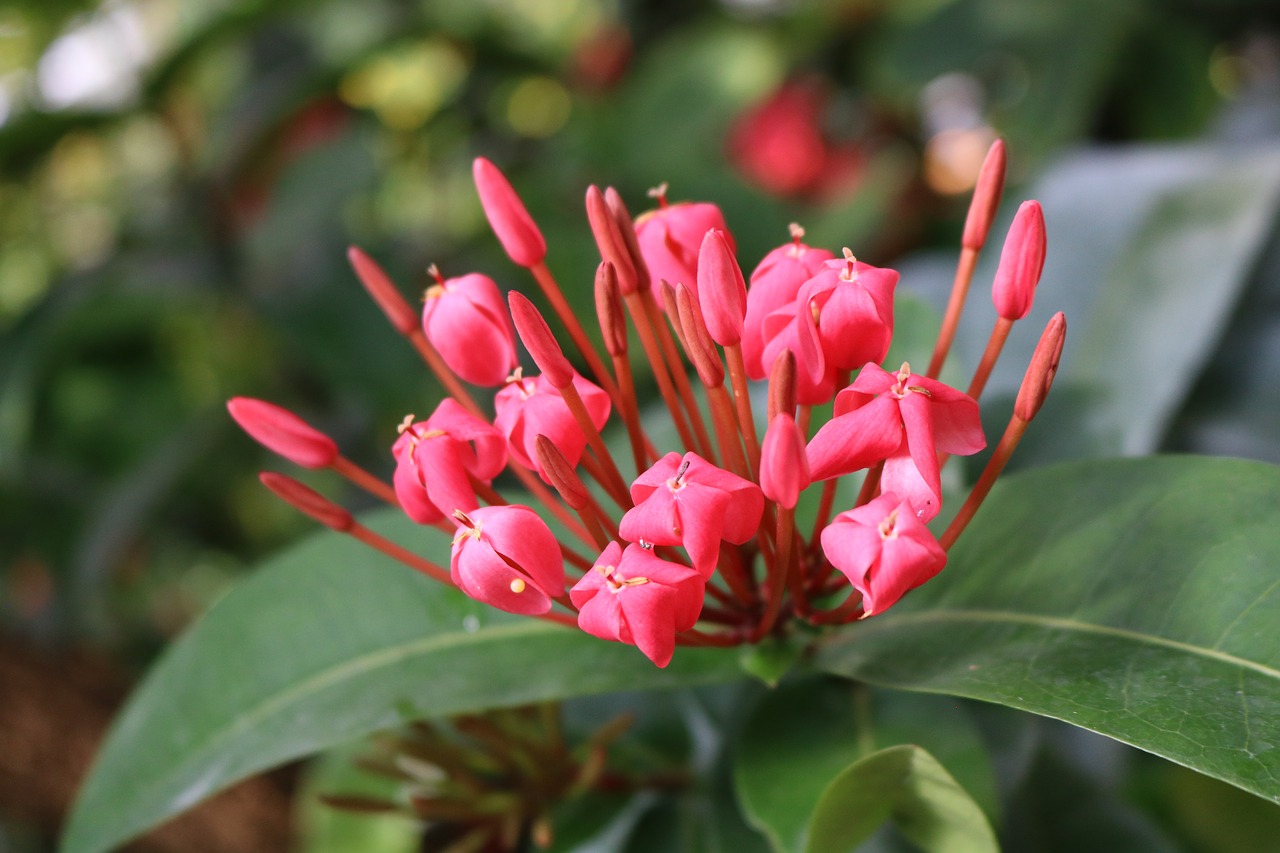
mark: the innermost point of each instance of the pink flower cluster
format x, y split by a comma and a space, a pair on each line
699, 545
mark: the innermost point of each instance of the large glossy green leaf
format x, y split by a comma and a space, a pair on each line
907, 785
325, 643
1137, 598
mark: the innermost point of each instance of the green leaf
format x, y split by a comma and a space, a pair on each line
907, 785
1136, 598
325, 643
806, 732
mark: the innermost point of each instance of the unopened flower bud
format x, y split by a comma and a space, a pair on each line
784, 469
613, 323
308, 501
701, 349
401, 314
627, 227
508, 217
986, 198
609, 240
1042, 370
282, 432
782, 384
722, 292
1021, 262
538, 340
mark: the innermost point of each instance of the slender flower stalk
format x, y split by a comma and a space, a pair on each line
982, 211
701, 521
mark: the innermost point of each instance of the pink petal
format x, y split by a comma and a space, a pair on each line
521, 537
655, 520
856, 440
442, 473
485, 576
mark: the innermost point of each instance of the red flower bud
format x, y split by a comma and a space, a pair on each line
510, 221
538, 340
1021, 262
784, 469
308, 501
986, 198
282, 432
1042, 369
721, 291
401, 314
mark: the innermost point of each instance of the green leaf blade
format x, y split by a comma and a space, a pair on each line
1136, 598
325, 643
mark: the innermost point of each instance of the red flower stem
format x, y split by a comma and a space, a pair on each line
492, 498
870, 484
442, 372
594, 527
613, 482
805, 414
995, 343
955, 305
715, 614
570, 320
736, 576
642, 450
742, 397
592, 466
1012, 435
848, 611
678, 372
362, 478
653, 352
399, 553
727, 430
796, 583
723, 597
694, 637
824, 508
778, 570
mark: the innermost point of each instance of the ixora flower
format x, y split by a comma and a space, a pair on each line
883, 549
508, 557
466, 320
709, 516
635, 597
904, 421
690, 502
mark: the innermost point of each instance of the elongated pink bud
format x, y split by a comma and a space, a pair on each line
782, 384
561, 474
609, 240
701, 350
508, 218
613, 323
986, 198
402, 316
784, 470
538, 340
627, 226
1042, 370
1021, 262
282, 432
722, 292
307, 500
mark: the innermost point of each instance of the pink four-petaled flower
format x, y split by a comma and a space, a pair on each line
633, 596
529, 407
905, 420
436, 459
690, 502
883, 549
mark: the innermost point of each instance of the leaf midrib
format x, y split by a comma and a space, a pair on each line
1052, 622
